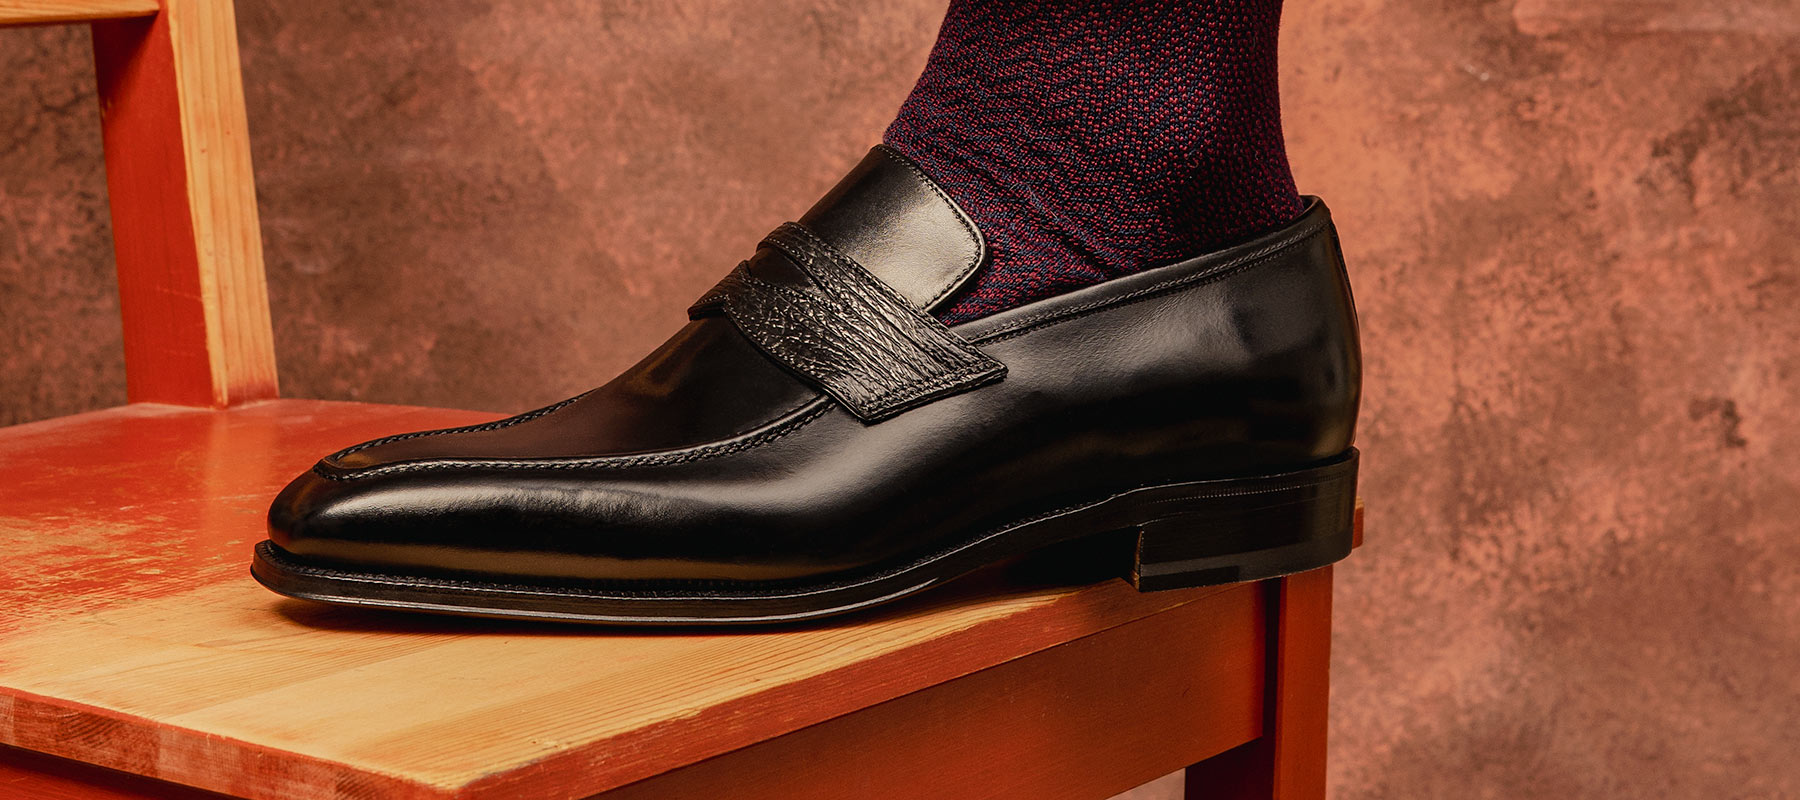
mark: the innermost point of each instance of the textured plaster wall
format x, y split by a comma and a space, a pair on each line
1576, 234
61, 349
1574, 231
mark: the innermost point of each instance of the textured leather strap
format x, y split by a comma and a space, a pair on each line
846, 331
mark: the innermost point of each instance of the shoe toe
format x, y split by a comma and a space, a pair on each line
315, 516
372, 520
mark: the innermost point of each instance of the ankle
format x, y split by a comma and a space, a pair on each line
1095, 141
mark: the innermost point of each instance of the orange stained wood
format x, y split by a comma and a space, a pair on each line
25, 774
185, 235
1288, 761
42, 12
132, 637
1301, 678
1081, 721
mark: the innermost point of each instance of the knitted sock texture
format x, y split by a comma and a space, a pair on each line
1090, 140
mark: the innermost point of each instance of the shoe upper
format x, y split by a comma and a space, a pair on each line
812, 418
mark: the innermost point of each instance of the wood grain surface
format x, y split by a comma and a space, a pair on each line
132, 637
1301, 675
27, 774
43, 12
1081, 721
191, 287
1288, 762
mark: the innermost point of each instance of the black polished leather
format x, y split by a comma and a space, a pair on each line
711, 462
892, 219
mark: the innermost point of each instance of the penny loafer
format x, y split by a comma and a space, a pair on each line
814, 442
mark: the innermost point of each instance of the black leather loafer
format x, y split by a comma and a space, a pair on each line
815, 442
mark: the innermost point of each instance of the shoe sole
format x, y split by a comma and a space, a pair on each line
1172, 536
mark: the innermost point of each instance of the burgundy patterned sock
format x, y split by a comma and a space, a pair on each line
1090, 140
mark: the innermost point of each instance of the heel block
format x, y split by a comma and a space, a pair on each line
1246, 529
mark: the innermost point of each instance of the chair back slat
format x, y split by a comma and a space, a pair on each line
185, 234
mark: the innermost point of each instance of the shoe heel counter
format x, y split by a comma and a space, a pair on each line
1346, 352
1310, 347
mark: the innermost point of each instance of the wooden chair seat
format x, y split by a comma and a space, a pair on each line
134, 640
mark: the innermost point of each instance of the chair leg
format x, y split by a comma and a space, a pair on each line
1288, 761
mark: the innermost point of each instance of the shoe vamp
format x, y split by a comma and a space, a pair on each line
706, 384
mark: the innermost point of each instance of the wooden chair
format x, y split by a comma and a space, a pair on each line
138, 659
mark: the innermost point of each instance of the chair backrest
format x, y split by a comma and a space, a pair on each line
191, 286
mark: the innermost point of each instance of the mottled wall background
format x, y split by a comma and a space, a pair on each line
1575, 233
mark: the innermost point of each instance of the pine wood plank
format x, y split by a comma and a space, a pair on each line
131, 637
1302, 677
1288, 761
191, 286
1084, 720
25, 774
45, 12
